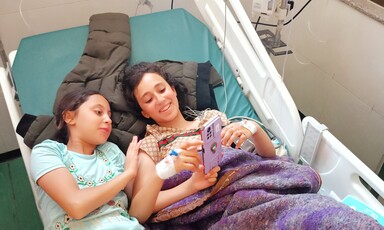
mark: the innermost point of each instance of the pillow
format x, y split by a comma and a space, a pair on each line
197, 77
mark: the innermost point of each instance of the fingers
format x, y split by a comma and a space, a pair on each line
234, 132
211, 177
133, 147
242, 138
190, 145
131, 156
188, 157
213, 173
229, 134
188, 160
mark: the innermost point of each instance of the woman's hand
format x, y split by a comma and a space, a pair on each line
239, 133
201, 181
233, 132
188, 158
131, 157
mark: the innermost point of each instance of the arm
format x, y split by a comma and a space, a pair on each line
195, 183
147, 184
263, 144
80, 202
146, 188
60, 185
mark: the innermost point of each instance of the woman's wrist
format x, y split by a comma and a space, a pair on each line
166, 167
191, 185
250, 125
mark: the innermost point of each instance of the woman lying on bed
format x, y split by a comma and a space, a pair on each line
253, 191
165, 111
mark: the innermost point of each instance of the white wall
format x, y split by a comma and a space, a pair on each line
20, 18
336, 74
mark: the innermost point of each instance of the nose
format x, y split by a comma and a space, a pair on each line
107, 119
159, 99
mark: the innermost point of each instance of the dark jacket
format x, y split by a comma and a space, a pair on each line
106, 53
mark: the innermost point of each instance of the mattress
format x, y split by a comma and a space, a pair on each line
43, 60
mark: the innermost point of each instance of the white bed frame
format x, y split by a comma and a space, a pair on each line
15, 114
308, 141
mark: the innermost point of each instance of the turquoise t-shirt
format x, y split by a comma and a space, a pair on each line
105, 163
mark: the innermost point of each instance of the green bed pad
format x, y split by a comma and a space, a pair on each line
42, 61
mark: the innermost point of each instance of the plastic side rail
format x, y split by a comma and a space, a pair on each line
341, 171
15, 114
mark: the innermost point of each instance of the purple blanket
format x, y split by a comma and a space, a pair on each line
258, 193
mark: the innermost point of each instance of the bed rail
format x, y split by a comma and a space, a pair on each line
15, 113
341, 171
254, 70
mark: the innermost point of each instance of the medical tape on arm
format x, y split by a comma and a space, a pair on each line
166, 167
249, 125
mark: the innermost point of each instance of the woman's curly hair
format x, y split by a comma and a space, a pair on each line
131, 76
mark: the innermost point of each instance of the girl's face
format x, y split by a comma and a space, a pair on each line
91, 123
157, 99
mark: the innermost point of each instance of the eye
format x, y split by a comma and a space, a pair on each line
148, 100
162, 90
98, 112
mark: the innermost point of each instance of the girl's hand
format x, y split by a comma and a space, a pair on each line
131, 156
188, 158
233, 132
201, 181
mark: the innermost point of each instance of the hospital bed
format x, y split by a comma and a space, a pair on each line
252, 86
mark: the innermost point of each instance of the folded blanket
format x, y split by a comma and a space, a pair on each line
257, 193
107, 52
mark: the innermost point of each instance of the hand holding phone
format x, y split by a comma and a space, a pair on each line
211, 137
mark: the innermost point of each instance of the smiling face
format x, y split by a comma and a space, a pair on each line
157, 99
91, 123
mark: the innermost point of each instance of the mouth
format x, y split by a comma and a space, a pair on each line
165, 108
106, 130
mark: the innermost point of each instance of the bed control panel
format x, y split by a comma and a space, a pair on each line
312, 138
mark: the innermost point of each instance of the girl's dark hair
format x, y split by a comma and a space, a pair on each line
131, 76
70, 102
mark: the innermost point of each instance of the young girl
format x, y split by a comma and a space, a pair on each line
83, 180
154, 94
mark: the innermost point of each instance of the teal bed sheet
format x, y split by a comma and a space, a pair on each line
42, 61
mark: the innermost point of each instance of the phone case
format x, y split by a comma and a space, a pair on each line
211, 137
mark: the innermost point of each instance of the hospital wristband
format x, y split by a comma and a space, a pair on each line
166, 167
249, 125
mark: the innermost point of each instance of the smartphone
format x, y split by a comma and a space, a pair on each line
211, 153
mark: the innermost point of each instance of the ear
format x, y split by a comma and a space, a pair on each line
68, 117
145, 114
